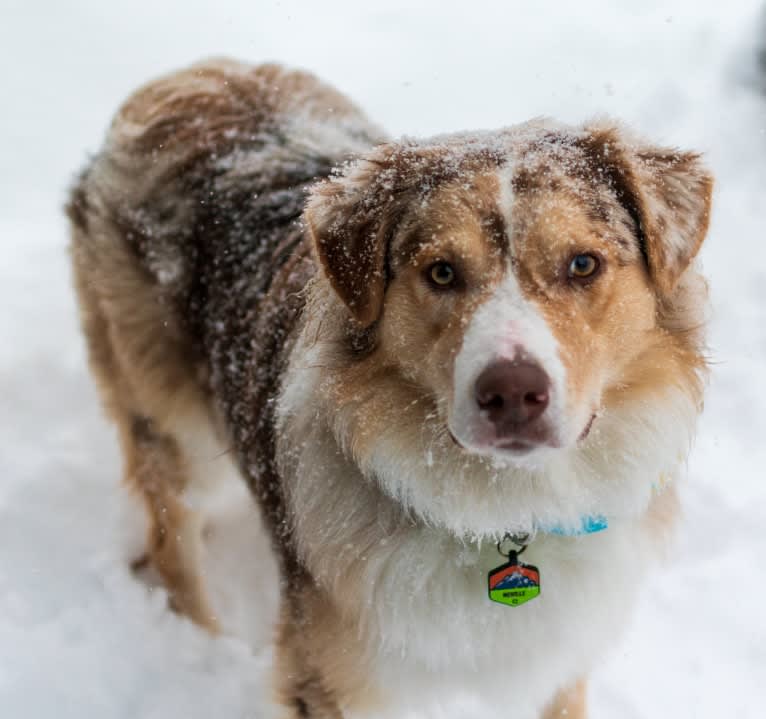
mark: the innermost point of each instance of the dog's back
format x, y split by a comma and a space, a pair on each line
188, 253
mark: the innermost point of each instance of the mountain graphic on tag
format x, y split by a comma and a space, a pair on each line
513, 583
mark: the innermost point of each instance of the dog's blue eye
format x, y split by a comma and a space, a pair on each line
583, 266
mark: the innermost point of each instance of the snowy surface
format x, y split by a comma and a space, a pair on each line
80, 636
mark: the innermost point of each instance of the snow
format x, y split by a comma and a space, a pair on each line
80, 636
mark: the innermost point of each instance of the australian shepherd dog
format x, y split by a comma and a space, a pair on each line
459, 375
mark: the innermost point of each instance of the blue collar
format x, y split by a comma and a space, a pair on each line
592, 523
589, 524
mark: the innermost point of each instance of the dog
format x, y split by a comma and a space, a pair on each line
428, 357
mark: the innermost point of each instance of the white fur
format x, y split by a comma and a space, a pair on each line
208, 463
506, 326
403, 539
611, 474
438, 632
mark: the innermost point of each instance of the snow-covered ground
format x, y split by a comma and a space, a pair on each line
80, 636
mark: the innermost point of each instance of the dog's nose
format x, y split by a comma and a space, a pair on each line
512, 393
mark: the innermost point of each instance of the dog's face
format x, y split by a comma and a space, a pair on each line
520, 324
517, 281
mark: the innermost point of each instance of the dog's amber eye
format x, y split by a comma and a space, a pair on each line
442, 274
583, 266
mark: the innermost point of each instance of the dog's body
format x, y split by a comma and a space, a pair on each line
440, 382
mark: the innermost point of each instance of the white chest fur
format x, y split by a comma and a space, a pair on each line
420, 594
381, 533
439, 632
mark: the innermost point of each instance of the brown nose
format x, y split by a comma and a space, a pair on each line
512, 393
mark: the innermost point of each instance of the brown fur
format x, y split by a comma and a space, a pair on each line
196, 278
143, 371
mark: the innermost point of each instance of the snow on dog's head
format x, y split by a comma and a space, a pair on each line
499, 298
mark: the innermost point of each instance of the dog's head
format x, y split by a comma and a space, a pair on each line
512, 286
516, 276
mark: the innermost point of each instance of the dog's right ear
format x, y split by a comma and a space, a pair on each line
350, 218
666, 191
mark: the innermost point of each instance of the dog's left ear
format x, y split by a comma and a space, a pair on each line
350, 218
667, 193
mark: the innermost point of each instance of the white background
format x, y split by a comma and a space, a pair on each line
80, 637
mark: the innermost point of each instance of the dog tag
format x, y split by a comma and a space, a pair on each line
513, 583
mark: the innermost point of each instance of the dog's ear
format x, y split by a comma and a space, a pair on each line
350, 218
666, 192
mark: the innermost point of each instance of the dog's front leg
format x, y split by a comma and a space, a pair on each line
568, 703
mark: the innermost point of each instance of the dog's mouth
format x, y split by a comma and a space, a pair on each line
517, 446
520, 445
512, 446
